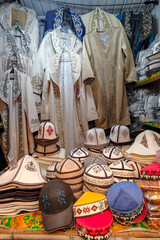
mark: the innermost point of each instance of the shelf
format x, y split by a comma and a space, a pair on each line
153, 78
153, 125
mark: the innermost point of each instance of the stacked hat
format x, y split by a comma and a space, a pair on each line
150, 175
95, 141
120, 136
94, 159
20, 186
97, 178
136, 167
79, 154
126, 202
47, 151
93, 218
56, 205
71, 172
144, 148
112, 154
51, 171
122, 170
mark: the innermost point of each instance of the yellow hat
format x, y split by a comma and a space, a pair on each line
90, 203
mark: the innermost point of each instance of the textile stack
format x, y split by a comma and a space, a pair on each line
20, 186
149, 183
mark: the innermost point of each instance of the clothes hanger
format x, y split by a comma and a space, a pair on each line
17, 27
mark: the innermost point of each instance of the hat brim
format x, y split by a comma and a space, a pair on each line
61, 220
138, 219
96, 146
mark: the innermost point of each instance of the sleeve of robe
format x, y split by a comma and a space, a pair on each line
129, 66
44, 53
87, 71
30, 108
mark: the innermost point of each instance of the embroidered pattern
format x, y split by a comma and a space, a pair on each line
97, 169
102, 136
31, 167
13, 167
144, 141
157, 139
34, 121
125, 133
49, 130
40, 130
46, 201
90, 137
86, 209
61, 197
116, 152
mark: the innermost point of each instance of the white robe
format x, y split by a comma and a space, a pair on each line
66, 101
19, 116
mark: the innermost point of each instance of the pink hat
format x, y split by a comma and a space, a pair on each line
95, 227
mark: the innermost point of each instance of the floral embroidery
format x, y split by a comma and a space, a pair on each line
49, 130
31, 167
46, 201
144, 141
61, 197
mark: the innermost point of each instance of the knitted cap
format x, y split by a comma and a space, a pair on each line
112, 154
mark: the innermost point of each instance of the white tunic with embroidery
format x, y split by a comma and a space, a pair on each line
66, 101
19, 115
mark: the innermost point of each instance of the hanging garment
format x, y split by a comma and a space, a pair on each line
3, 162
99, 19
19, 115
28, 22
63, 99
139, 29
66, 101
58, 17
107, 58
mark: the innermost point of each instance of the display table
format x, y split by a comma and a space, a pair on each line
29, 226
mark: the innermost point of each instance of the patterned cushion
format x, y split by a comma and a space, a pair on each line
151, 172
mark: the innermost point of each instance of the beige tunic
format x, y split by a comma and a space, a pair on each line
111, 65
99, 19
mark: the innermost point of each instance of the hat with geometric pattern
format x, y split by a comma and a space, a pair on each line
46, 134
94, 159
96, 138
120, 134
122, 170
90, 203
112, 154
79, 154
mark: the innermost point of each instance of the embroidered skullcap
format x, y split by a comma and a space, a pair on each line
120, 134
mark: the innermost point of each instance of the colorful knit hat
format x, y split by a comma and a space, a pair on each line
125, 200
112, 154
122, 170
79, 154
90, 203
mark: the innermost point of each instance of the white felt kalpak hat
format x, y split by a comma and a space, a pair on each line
120, 134
146, 143
96, 138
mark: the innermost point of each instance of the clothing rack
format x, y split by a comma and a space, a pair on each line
84, 6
